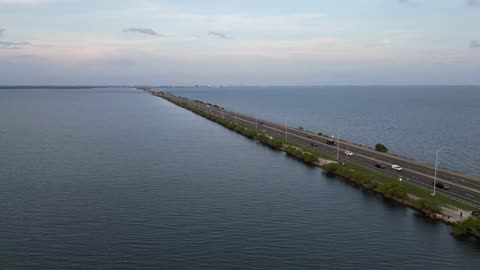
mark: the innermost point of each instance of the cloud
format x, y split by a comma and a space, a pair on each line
473, 3
118, 61
386, 42
219, 34
470, 3
474, 44
13, 45
145, 31
24, 2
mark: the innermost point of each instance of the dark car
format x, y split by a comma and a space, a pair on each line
309, 136
379, 165
476, 213
331, 142
314, 144
442, 186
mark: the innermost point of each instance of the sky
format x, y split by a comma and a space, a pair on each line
239, 42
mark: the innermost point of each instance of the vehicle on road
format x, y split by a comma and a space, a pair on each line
348, 153
397, 168
309, 136
261, 123
314, 144
379, 165
331, 142
442, 186
476, 213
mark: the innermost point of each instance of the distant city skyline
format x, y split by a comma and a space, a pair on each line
212, 42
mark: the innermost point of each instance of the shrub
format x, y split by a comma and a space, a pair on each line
249, 133
293, 151
276, 143
272, 142
238, 128
393, 190
381, 148
230, 125
427, 205
470, 226
309, 158
331, 167
372, 184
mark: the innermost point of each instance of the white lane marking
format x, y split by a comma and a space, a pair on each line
234, 116
469, 195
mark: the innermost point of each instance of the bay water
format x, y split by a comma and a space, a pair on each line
119, 179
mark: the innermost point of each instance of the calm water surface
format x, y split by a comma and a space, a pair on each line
412, 121
118, 179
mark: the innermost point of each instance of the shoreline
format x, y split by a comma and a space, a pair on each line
389, 189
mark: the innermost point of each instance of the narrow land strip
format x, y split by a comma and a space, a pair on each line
450, 208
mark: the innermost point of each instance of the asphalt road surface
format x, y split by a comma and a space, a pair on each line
466, 188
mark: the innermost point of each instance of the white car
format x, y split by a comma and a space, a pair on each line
348, 153
396, 167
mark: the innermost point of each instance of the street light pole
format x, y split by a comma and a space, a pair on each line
255, 121
338, 144
435, 175
286, 130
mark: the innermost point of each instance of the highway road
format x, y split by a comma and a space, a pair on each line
462, 187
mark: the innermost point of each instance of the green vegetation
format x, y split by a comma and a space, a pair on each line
379, 182
381, 148
378, 147
309, 158
428, 206
387, 187
414, 164
440, 199
370, 179
300, 153
270, 141
470, 226
312, 150
305, 156
294, 151
393, 190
